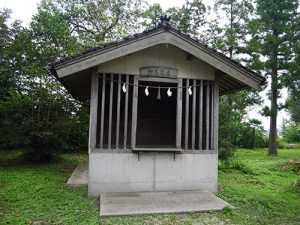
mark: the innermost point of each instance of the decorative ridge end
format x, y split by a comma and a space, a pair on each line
164, 21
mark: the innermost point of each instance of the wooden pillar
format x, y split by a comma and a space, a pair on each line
102, 111
110, 111
216, 115
134, 112
211, 117
93, 110
200, 114
179, 114
186, 138
194, 115
126, 112
207, 117
118, 112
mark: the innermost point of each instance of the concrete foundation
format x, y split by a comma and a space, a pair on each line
130, 172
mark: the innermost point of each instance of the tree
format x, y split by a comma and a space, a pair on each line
189, 18
234, 16
36, 106
97, 21
231, 34
291, 132
151, 15
293, 104
255, 124
274, 34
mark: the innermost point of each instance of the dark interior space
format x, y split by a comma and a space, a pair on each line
156, 118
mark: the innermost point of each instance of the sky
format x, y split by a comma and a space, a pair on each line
24, 9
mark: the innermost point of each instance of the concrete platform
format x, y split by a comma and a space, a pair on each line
79, 177
139, 203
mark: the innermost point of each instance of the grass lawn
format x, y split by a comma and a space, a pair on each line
259, 186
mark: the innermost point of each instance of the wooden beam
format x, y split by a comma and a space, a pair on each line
158, 79
126, 112
216, 115
186, 138
118, 112
179, 115
207, 118
102, 111
110, 110
200, 114
93, 110
194, 115
134, 111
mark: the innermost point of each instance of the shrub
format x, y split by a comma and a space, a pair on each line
281, 143
226, 152
291, 132
237, 165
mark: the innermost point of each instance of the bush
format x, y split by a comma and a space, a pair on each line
226, 152
291, 132
237, 165
281, 143
43, 144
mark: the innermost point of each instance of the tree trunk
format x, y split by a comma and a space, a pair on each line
273, 123
274, 95
231, 26
253, 138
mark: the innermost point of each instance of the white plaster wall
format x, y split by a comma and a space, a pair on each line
123, 172
160, 55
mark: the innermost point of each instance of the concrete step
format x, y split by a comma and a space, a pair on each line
79, 177
139, 203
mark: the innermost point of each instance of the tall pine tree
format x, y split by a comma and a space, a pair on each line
274, 33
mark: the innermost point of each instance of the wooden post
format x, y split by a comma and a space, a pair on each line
212, 117
93, 110
110, 111
216, 114
200, 114
102, 111
134, 111
179, 114
186, 138
194, 115
118, 113
207, 118
126, 112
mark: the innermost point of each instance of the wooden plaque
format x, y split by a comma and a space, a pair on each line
159, 71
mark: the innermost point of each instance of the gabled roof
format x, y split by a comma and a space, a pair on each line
237, 76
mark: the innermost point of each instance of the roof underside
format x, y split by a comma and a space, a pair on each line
74, 73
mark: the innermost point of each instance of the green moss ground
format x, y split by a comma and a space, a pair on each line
260, 187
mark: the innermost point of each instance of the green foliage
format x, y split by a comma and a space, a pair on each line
226, 152
242, 167
252, 135
234, 132
231, 36
190, 17
293, 104
291, 132
151, 15
280, 143
36, 113
95, 22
